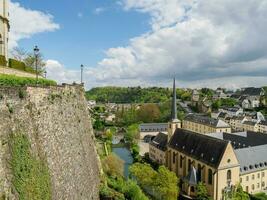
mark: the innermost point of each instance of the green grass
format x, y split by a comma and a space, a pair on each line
31, 177
12, 80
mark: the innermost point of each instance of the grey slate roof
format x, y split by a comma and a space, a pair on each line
201, 147
160, 141
153, 127
252, 158
242, 139
263, 123
206, 121
251, 91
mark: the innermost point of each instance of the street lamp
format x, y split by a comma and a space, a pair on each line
82, 74
45, 73
36, 54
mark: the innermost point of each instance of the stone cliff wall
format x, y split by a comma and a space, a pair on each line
57, 123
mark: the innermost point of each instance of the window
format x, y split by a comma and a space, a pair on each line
173, 157
199, 172
259, 175
253, 176
189, 165
210, 176
262, 174
240, 180
247, 178
258, 185
229, 175
181, 161
252, 187
263, 184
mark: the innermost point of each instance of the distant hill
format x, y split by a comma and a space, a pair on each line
133, 94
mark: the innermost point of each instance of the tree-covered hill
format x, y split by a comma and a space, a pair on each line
133, 94
128, 94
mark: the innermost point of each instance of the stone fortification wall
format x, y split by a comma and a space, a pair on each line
57, 123
10, 71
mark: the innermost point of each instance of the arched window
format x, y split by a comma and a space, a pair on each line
210, 176
189, 165
181, 161
229, 175
199, 172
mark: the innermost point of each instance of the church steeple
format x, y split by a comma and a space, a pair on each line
174, 105
174, 122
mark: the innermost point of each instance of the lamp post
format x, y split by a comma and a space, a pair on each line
82, 74
45, 73
36, 54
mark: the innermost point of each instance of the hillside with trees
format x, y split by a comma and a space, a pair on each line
134, 94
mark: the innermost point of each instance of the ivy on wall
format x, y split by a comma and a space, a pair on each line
31, 177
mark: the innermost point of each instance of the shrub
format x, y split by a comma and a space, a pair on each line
16, 64
12, 80
113, 165
3, 61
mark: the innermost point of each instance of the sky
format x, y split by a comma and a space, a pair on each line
203, 43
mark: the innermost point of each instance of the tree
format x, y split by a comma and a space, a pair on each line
148, 113
202, 193
166, 184
29, 58
239, 194
132, 191
19, 54
161, 184
132, 133
113, 165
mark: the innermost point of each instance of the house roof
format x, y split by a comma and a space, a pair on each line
201, 147
251, 91
160, 141
263, 123
242, 139
257, 158
217, 123
153, 126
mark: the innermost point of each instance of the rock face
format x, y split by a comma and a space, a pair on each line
57, 123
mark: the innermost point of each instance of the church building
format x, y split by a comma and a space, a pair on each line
4, 28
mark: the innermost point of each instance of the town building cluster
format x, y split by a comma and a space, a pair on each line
221, 151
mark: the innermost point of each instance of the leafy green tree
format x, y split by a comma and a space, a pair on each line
239, 194
132, 133
166, 183
162, 185
132, 191
148, 113
202, 193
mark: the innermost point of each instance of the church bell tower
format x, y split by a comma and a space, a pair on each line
174, 122
4, 28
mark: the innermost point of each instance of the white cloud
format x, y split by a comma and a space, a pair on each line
57, 71
26, 22
201, 42
99, 10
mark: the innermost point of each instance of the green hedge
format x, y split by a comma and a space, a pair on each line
15, 64
12, 80
3, 60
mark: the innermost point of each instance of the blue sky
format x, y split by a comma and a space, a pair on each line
84, 33
211, 43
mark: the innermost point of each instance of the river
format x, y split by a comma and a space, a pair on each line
124, 154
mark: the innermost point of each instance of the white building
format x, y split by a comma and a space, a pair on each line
4, 28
